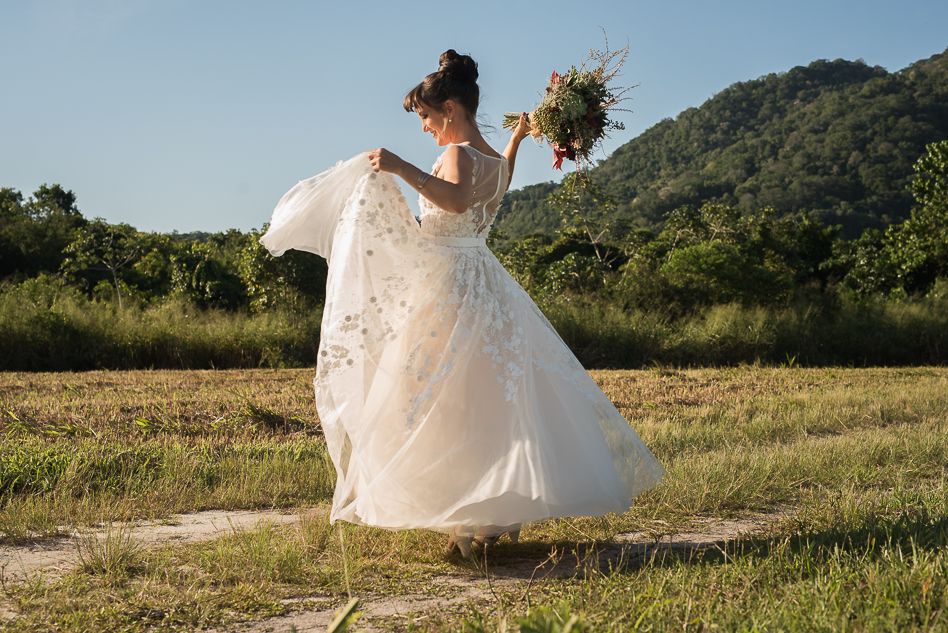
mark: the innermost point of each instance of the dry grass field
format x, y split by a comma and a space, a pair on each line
836, 477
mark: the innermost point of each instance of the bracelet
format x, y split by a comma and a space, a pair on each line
422, 179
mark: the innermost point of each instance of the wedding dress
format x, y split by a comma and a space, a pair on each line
448, 400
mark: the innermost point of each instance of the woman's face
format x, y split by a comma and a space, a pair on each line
435, 122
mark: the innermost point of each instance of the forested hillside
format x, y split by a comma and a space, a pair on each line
836, 138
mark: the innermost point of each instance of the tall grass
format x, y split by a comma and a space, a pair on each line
45, 327
873, 333
883, 575
112, 554
48, 328
45, 484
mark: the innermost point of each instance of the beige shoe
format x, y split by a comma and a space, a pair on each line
460, 544
486, 541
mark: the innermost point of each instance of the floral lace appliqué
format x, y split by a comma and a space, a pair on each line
439, 303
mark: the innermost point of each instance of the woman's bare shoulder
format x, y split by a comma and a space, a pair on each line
457, 158
484, 150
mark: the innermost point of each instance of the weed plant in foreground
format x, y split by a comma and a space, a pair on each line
844, 470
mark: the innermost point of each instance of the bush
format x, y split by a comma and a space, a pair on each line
913, 332
48, 327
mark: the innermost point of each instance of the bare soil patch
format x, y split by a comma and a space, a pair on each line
628, 549
54, 557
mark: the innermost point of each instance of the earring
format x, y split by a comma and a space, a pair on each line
449, 120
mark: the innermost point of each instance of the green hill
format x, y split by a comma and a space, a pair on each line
837, 138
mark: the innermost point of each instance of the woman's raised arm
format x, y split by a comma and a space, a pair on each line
520, 133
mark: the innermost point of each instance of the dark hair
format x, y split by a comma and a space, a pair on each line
455, 79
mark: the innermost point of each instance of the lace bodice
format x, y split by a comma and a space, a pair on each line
490, 183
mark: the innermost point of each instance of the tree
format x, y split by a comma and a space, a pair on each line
11, 212
930, 186
722, 272
198, 272
34, 232
101, 246
717, 253
919, 246
909, 257
294, 280
582, 204
11, 204
52, 200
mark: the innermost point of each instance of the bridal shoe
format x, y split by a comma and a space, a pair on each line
460, 544
487, 541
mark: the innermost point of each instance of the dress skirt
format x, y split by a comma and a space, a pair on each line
447, 399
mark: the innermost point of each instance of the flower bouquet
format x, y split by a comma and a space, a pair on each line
574, 113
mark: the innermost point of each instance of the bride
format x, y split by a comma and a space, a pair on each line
447, 399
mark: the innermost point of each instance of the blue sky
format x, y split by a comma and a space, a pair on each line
198, 115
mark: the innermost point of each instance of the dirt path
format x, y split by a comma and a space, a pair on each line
56, 556
634, 548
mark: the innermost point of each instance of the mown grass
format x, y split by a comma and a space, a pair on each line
80, 449
849, 466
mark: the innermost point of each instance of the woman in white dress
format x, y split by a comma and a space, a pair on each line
448, 400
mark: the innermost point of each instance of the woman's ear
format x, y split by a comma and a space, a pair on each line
450, 108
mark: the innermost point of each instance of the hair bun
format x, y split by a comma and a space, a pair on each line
455, 79
462, 67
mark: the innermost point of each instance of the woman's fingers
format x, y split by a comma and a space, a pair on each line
382, 159
373, 156
523, 126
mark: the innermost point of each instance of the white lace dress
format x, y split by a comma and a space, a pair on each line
447, 399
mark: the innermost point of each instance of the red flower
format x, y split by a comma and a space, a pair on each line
560, 152
558, 156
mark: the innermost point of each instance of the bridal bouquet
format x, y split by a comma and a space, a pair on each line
574, 113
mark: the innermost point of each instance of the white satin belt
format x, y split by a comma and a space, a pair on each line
468, 242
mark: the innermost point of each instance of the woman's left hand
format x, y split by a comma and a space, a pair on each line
384, 160
524, 127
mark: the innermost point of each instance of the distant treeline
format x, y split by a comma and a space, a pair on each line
46, 234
